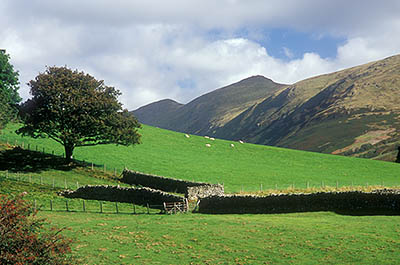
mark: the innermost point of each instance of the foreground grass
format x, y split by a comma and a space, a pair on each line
245, 167
301, 238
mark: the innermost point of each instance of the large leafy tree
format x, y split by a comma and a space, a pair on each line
9, 85
75, 109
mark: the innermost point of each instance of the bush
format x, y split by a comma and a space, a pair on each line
26, 239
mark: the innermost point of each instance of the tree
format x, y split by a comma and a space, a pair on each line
26, 239
9, 85
75, 109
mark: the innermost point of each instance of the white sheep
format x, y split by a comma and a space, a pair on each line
212, 139
187, 136
206, 137
240, 141
232, 145
208, 145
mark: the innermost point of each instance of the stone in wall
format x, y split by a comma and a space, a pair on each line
194, 193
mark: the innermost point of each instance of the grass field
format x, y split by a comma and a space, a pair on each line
244, 167
302, 238
126, 238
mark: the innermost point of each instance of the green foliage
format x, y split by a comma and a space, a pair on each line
75, 109
25, 239
9, 97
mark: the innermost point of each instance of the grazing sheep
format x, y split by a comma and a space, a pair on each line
206, 137
187, 136
240, 141
208, 145
212, 139
232, 145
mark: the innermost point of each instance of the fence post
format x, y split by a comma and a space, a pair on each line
92, 165
148, 210
53, 183
337, 184
84, 206
104, 169
276, 186
116, 207
308, 184
261, 187
101, 207
41, 180
134, 208
34, 205
29, 146
77, 185
51, 205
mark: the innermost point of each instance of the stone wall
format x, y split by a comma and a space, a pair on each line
354, 201
203, 191
139, 196
170, 185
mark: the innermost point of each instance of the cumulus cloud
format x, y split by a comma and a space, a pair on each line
158, 49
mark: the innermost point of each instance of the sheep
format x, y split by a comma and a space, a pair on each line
240, 141
206, 137
187, 136
208, 145
232, 145
212, 139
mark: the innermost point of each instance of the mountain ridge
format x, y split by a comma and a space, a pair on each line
350, 112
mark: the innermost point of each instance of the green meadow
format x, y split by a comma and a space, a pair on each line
246, 167
132, 236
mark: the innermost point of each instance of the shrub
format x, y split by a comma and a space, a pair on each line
26, 239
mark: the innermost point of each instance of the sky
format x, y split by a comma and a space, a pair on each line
180, 49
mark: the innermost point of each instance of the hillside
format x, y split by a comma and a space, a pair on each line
242, 167
351, 112
132, 236
205, 114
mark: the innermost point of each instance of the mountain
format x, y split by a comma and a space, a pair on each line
157, 113
354, 112
205, 114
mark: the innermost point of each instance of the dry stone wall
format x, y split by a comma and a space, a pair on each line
139, 196
354, 201
172, 185
203, 191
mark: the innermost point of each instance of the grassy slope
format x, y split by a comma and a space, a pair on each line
302, 238
246, 165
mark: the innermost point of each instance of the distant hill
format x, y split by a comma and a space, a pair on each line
157, 113
205, 114
354, 112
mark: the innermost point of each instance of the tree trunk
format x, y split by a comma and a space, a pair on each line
398, 156
69, 149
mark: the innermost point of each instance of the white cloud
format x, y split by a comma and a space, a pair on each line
148, 49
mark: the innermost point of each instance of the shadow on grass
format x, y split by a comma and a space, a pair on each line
20, 160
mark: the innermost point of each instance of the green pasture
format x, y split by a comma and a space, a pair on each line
299, 238
246, 167
131, 236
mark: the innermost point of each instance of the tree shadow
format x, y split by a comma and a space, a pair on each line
21, 160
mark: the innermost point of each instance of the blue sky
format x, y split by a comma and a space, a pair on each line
181, 49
